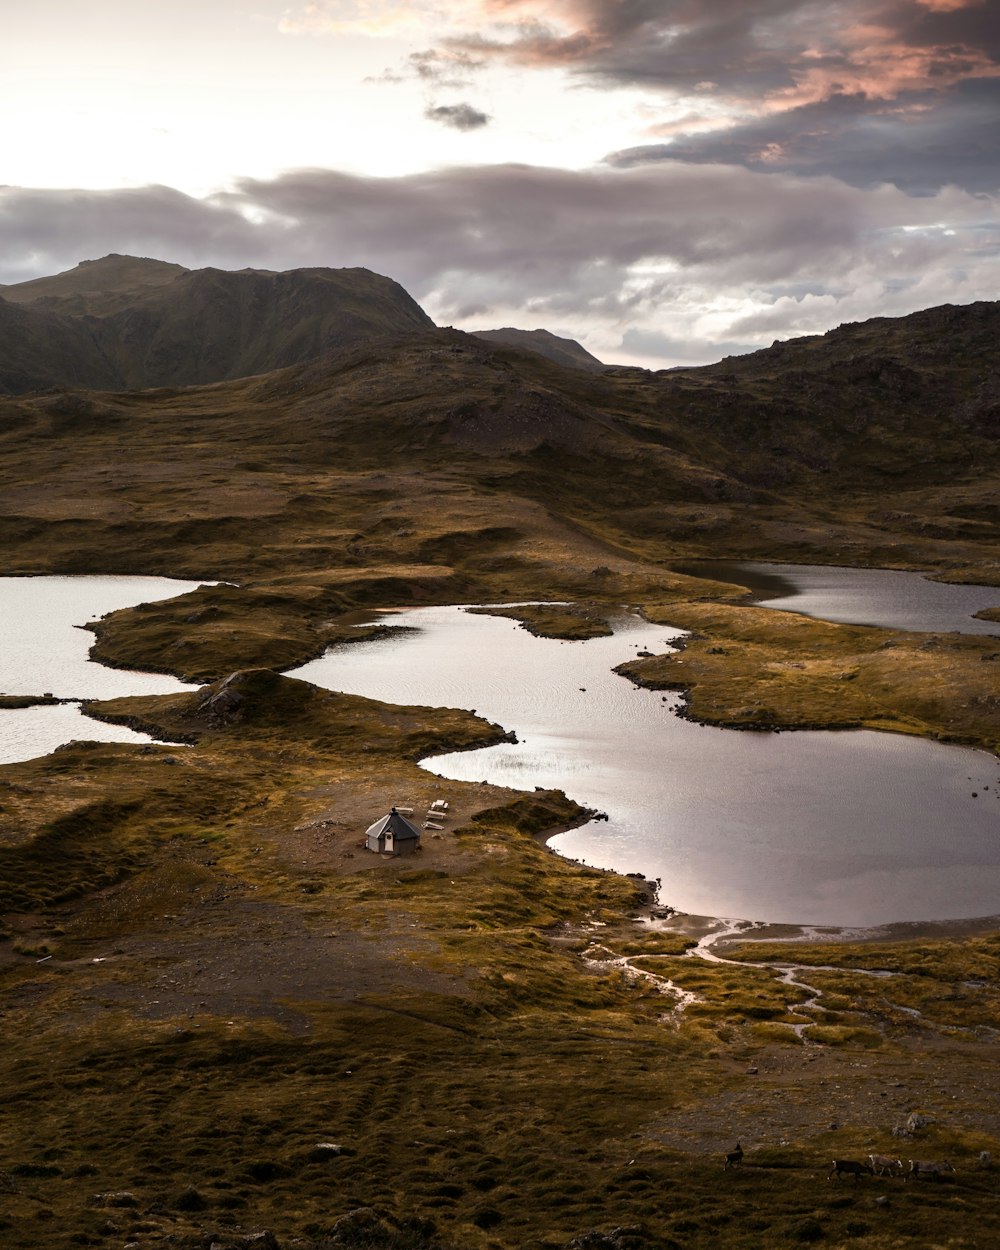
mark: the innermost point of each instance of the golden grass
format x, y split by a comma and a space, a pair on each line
759, 668
263, 986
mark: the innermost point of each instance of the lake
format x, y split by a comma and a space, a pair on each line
887, 597
45, 651
818, 828
839, 828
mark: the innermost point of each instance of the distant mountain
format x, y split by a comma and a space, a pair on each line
129, 323
877, 443
99, 287
566, 352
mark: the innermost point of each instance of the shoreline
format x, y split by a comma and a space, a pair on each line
734, 930
701, 927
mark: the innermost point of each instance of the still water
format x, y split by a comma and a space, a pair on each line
820, 828
896, 600
842, 828
45, 650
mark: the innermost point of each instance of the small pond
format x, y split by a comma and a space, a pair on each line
45, 652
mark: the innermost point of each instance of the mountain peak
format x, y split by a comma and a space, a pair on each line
97, 287
566, 352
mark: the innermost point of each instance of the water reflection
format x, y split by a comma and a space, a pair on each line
821, 828
45, 650
887, 597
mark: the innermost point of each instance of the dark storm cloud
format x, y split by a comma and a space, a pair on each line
974, 25
457, 116
918, 143
690, 253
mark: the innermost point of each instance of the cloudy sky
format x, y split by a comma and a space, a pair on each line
668, 181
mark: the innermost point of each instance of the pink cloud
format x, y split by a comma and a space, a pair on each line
949, 6
783, 53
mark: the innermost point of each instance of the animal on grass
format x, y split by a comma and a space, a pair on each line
883, 1165
929, 1167
850, 1167
735, 1157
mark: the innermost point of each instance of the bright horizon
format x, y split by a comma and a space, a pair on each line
666, 183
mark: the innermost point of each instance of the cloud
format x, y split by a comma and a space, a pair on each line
458, 116
905, 87
794, 50
446, 69
700, 257
652, 345
917, 143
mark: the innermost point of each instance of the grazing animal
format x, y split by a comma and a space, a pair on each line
882, 1165
735, 1157
850, 1167
929, 1167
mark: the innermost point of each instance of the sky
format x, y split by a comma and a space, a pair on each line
666, 181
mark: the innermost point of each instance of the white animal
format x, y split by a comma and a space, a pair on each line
882, 1165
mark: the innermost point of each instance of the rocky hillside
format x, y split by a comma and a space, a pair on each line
876, 444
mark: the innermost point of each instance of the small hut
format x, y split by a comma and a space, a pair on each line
392, 835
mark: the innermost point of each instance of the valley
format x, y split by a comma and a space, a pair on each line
227, 1022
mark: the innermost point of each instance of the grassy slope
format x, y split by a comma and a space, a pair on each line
227, 981
126, 322
264, 986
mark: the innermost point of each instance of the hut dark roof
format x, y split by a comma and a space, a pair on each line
395, 824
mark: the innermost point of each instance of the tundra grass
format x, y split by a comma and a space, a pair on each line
239, 1021
759, 669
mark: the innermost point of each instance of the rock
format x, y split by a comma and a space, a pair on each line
115, 1198
264, 1240
324, 1151
625, 1237
224, 702
915, 1121
356, 1227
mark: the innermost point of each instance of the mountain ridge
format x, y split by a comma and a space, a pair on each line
128, 324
